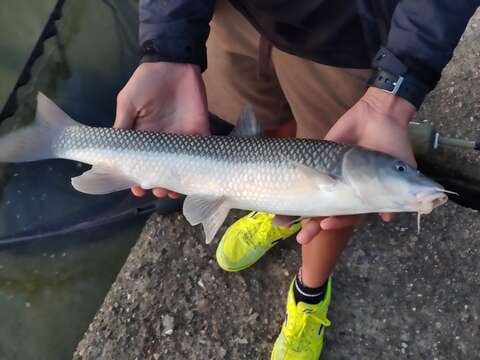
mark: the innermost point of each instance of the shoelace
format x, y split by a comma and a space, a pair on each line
297, 324
275, 232
264, 232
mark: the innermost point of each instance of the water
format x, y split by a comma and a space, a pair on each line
50, 288
21, 23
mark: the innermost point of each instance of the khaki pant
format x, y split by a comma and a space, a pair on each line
312, 94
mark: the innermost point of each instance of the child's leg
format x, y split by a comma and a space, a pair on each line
303, 330
318, 95
320, 255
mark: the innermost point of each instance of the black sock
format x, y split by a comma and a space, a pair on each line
306, 294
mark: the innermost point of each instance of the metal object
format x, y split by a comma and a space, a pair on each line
426, 139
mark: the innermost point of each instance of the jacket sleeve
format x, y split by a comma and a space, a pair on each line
424, 34
175, 30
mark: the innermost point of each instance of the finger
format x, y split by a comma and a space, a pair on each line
337, 135
125, 115
340, 222
310, 229
173, 195
387, 217
159, 192
342, 131
138, 191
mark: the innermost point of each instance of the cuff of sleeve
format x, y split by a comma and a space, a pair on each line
386, 60
177, 50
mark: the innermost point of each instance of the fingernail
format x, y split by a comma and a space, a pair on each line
300, 237
157, 193
324, 224
304, 222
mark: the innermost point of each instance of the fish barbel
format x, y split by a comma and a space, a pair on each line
294, 177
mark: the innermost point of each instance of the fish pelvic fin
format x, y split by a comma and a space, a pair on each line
35, 141
208, 210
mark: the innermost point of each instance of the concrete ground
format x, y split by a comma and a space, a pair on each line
397, 295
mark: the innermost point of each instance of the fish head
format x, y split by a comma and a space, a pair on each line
390, 184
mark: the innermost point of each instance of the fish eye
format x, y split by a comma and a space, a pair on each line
400, 166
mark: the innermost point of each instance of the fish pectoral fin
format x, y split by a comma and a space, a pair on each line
210, 211
101, 180
247, 124
316, 178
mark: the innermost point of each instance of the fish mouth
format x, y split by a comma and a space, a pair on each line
429, 201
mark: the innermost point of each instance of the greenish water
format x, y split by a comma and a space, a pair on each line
21, 22
51, 288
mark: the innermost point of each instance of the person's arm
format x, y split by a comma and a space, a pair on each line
424, 34
175, 30
421, 42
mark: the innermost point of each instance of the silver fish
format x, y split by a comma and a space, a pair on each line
294, 177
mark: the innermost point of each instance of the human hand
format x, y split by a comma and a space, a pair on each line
378, 121
163, 97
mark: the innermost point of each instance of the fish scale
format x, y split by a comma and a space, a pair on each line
324, 156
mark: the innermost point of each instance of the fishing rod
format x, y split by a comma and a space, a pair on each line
425, 139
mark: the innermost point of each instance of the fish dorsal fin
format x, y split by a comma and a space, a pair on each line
101, 180
247, 124
209, 210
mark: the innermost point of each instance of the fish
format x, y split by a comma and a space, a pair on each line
286, 176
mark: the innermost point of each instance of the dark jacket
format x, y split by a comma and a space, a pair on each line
346, 33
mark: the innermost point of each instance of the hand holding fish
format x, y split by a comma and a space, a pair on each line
379, 122
163, 97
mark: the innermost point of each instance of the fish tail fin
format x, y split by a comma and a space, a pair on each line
36, 141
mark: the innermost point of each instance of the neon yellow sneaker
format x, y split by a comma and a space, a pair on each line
248, 239
303, 330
